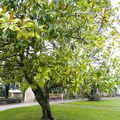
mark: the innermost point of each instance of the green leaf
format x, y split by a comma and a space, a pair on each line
19, 35
29, 25
42, 82
46, 77
11, 15
37, 35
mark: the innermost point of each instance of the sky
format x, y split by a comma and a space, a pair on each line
115, 2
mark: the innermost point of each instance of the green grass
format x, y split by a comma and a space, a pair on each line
70, 111
113, 102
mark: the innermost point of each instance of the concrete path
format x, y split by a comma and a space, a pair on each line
10, 106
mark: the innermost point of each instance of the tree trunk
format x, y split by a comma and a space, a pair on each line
47, 115
94, 96
42, 96
6, 92
23, 95
43, 100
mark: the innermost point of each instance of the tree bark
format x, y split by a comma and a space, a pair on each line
42, 96
43, 100
94, 96
6, 92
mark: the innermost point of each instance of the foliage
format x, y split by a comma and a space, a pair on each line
39, 41
101, 74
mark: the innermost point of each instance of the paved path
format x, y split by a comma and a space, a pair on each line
10, 106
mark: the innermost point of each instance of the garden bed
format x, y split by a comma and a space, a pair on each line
4, 101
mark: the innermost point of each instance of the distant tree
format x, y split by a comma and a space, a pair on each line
101, 76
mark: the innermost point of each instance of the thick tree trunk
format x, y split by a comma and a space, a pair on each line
94, 96
47, 114
42, 96
43, 100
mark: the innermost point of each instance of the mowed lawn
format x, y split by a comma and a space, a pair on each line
108, 102
108, 109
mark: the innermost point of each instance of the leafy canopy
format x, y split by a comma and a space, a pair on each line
40, 40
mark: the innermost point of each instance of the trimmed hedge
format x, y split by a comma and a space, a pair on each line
4, 101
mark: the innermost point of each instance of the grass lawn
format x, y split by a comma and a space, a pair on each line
113, 102
81, 110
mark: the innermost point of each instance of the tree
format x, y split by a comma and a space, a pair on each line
38, 42
101, 74
6, 91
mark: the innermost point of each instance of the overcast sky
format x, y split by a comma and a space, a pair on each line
115, 2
